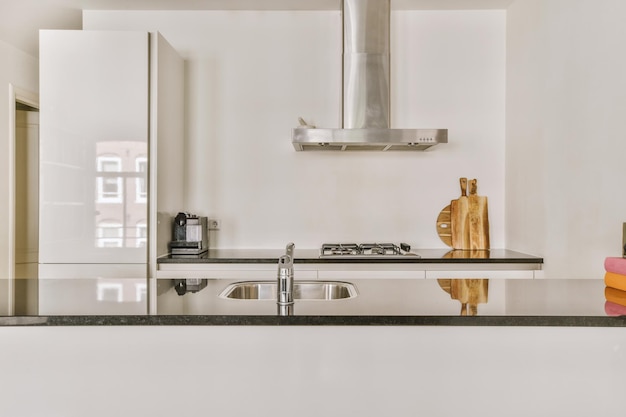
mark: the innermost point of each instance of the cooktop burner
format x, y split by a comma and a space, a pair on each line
366, 250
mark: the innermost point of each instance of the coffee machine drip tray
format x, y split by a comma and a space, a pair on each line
183, 247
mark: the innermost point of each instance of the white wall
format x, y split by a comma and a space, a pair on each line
162, 371
251, 74
566, 101
20, 70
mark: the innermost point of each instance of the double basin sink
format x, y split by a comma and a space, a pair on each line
302, 290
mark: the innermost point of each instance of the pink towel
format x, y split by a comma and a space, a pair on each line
615, 265
614, 309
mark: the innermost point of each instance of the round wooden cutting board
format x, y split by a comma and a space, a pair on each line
444, 225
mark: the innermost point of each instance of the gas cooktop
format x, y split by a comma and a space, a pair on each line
366, 250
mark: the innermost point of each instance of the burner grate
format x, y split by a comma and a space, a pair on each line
380, 249
365, 249
341, 249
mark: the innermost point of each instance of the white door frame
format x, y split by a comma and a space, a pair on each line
31, 99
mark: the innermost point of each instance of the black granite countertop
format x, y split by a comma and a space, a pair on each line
312, 256
563, 303
227, 320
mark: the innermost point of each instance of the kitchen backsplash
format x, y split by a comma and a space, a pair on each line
251, 74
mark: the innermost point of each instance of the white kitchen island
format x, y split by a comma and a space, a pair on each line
538, 347
161, 371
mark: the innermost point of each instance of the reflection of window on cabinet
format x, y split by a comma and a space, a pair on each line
109, 186
141, 292
141, 233
111, 292
109, 235
141, 189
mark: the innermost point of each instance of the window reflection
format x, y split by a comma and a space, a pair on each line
110, 234
121, 194
122, 291
108, 182
141, 185
141, 233
111, 292
141, 292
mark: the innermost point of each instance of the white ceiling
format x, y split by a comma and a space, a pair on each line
20, 20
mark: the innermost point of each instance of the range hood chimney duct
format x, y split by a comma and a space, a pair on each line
366, 90
366, 64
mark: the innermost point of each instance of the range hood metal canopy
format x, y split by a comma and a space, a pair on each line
366, 90
371, 139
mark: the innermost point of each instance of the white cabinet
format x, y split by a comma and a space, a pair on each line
94, 146
111, 127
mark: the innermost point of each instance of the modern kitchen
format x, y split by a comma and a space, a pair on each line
218, 212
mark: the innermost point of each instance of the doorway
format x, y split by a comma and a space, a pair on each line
24, 203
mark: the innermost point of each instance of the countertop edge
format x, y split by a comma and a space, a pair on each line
229, 320
352, 261
309, 256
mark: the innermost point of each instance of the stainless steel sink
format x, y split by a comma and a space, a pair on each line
302, 290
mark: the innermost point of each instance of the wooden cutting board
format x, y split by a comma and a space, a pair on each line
478, 218
444, 226
459, 218
464, 223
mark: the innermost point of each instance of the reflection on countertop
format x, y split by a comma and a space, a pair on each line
469, 292
379, 302
408, 297
75, 296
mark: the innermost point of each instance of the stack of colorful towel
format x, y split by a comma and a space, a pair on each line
615, 291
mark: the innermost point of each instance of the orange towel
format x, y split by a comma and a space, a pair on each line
615, 296
613, 309
613, 280
614, 264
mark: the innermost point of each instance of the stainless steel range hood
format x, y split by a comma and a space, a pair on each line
366, 90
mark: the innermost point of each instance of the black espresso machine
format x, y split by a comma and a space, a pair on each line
189, 235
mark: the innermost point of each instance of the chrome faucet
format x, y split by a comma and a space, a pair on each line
284, 298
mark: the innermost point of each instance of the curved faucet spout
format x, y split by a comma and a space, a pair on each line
285, 278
